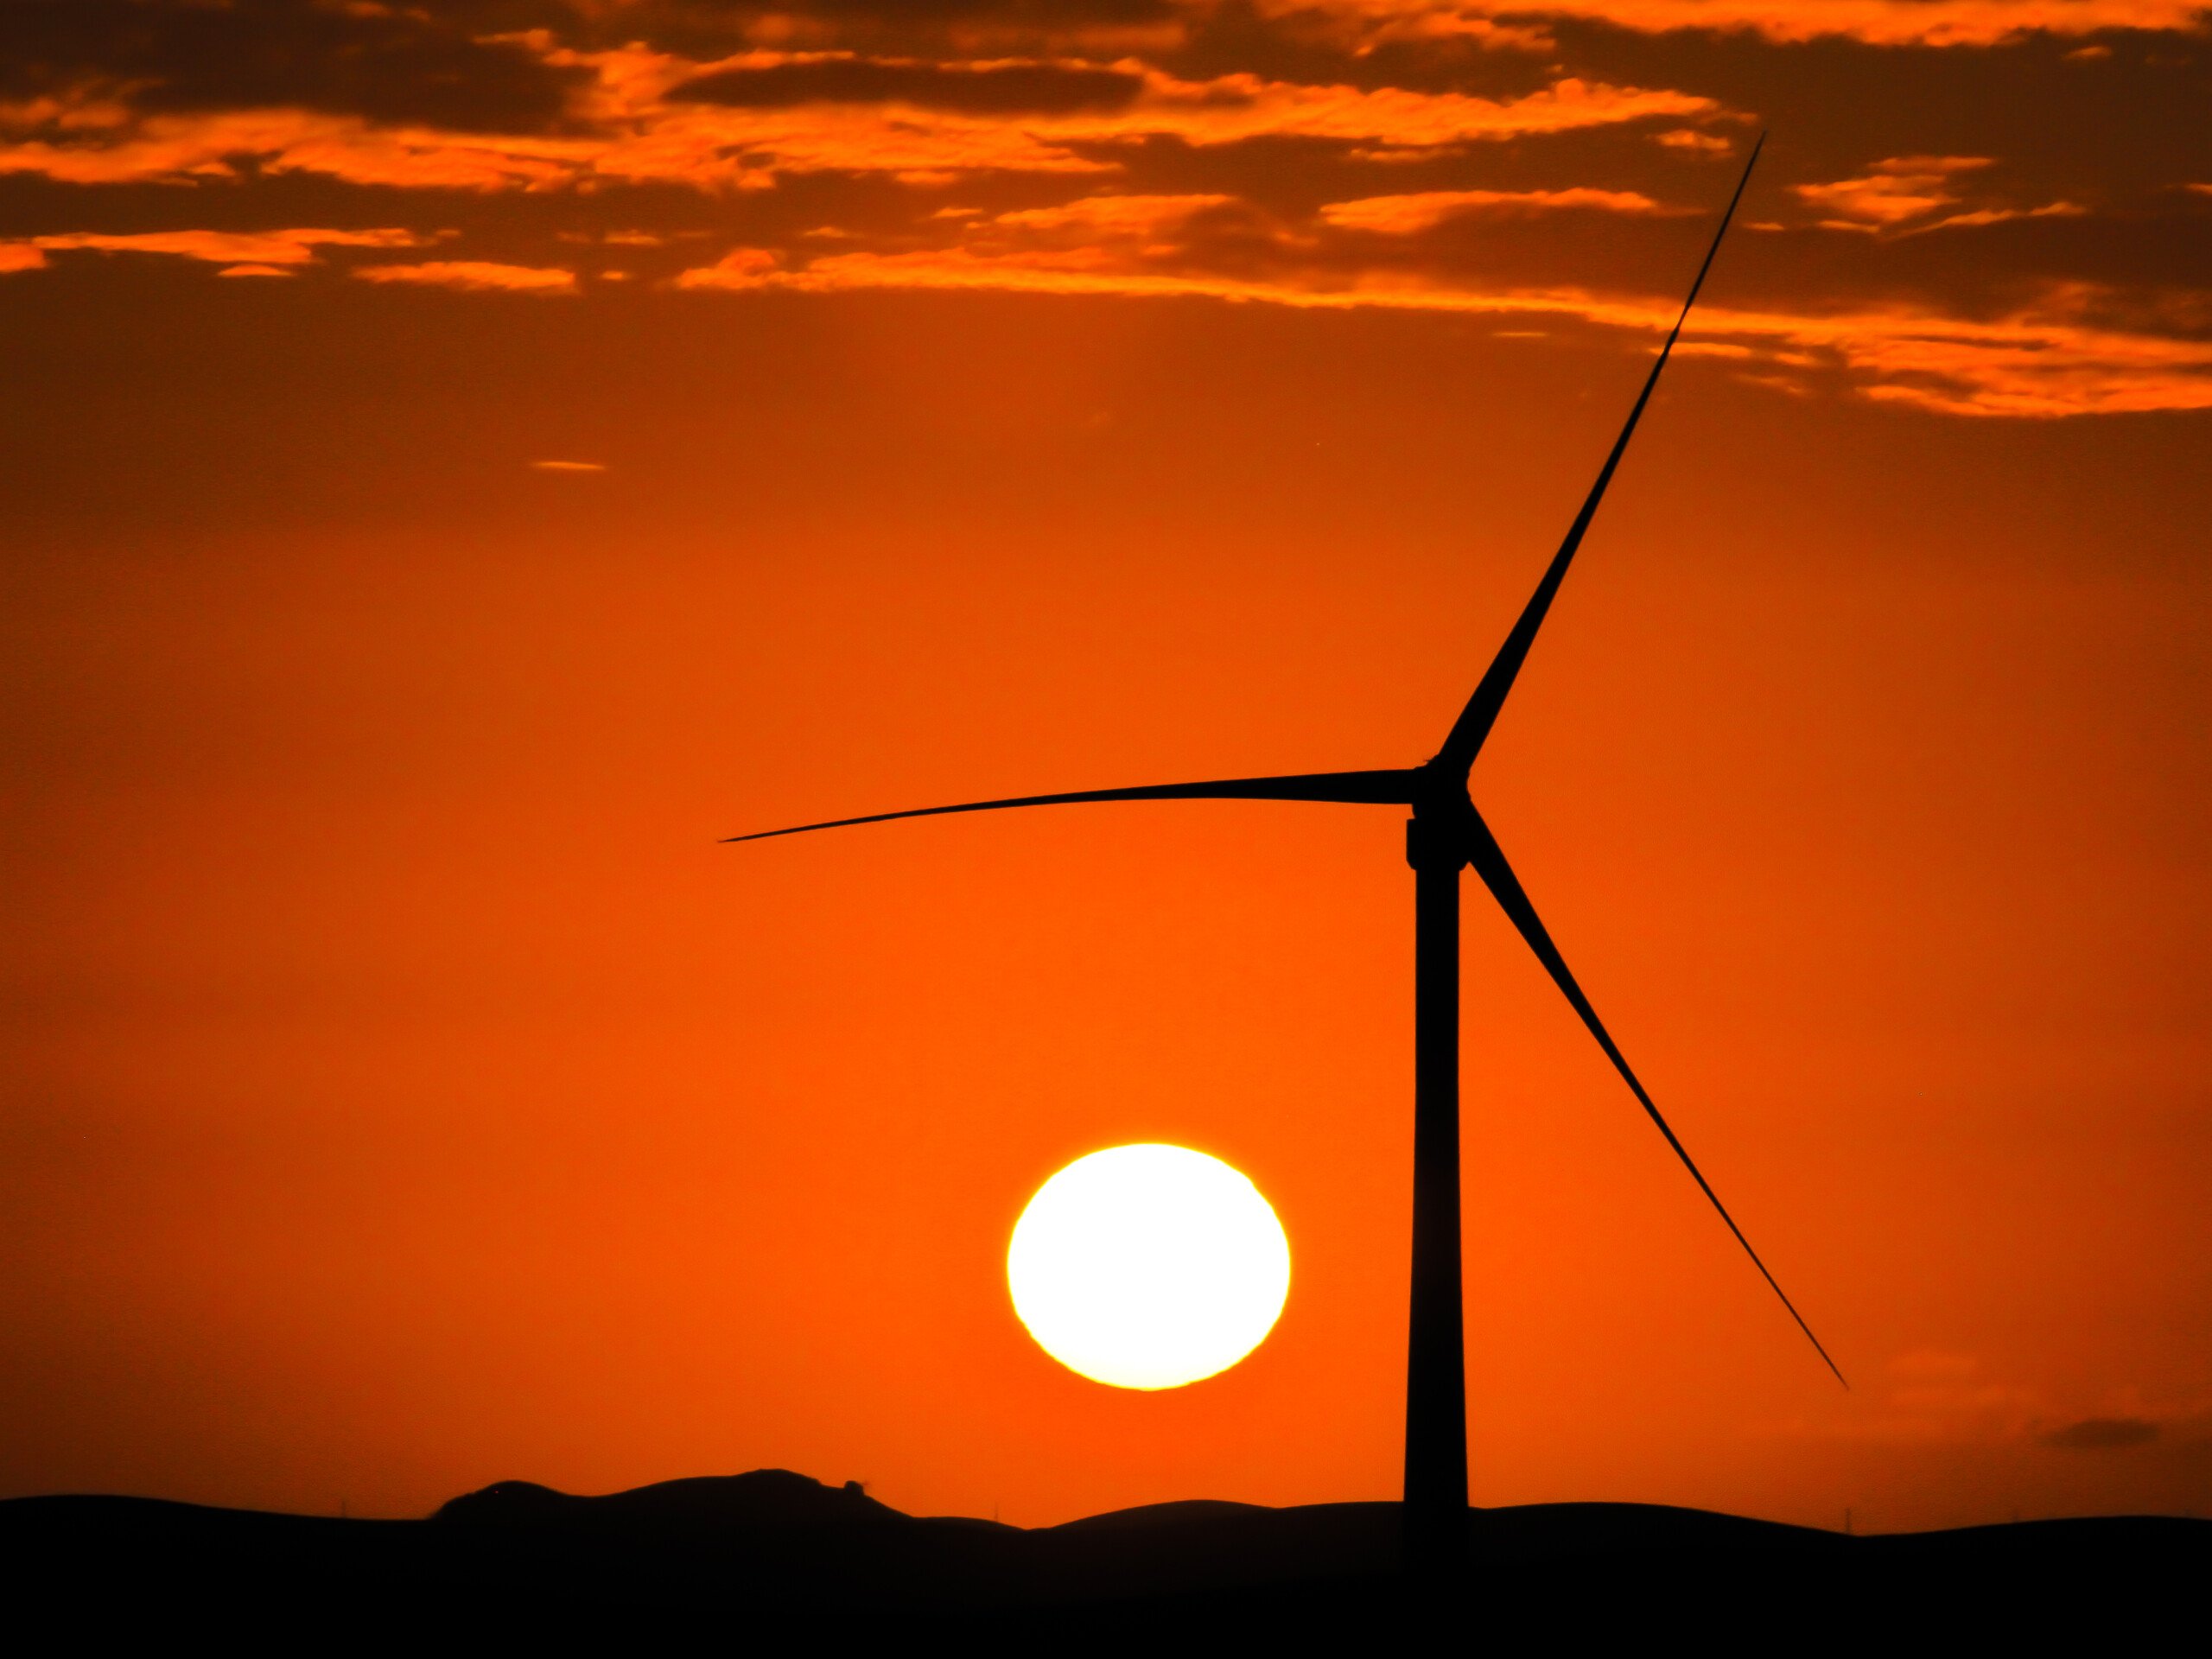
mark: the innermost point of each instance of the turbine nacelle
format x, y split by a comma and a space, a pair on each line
1443, 824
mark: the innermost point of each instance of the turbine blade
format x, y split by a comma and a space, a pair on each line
1394, 788
1466, 740
1489, 861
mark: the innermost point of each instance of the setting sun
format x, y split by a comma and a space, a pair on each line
1148, 1266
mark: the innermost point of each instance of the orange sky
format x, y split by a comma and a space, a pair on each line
403, 1090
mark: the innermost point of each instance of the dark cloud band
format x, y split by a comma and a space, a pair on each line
990, 89
388, 64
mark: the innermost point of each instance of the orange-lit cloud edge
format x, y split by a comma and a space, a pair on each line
639, 134
2036, 364
1875, 22
639, 123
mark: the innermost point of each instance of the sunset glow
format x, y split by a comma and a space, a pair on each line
462, 462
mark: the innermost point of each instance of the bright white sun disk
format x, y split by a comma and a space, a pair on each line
1148, 1266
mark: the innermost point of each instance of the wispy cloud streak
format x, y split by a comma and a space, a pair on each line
1509, 24
633, 128
2036, 362
475, 276
1408, 215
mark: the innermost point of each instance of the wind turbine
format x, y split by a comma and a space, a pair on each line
1445, 835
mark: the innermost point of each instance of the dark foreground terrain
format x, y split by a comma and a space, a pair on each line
765, 1559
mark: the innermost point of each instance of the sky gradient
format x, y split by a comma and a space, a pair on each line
462, 463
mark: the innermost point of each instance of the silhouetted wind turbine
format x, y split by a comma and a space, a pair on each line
1445, 835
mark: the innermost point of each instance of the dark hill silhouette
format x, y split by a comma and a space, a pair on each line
772, 1551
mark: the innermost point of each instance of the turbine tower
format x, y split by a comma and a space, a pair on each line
1445, 835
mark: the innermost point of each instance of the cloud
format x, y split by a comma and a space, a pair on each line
718, 145
1876, 22
1143, 216
1408, 214
1909, 195
2047, 360
104, 92
567, 465
1891, 191
390, 63
2101, 1434
243, 250
1012, 88
718, 101
639, 117
475, 276
1362, 25
1229, 109
479, 65
741, 267
237, 144
1999, 216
